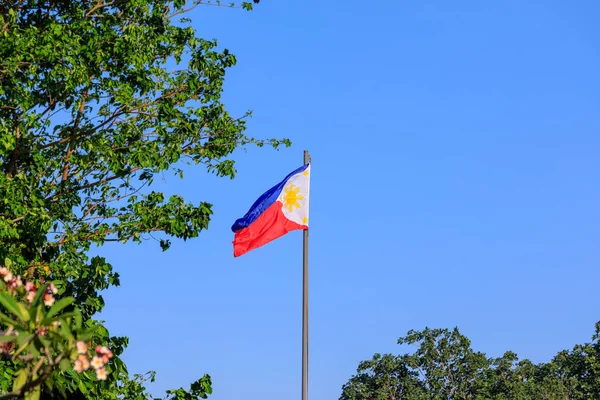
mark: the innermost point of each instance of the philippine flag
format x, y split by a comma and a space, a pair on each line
281, 209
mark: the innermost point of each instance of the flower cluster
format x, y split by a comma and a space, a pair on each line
14, 282
31, 291
51, 290
83, 363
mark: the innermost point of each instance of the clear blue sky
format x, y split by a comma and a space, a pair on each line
456, 172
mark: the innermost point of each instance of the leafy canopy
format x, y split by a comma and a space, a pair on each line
96, 99
445, 367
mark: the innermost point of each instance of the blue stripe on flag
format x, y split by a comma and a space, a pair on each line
265, 201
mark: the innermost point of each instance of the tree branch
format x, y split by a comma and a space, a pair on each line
89, 185
11, 168
71, 147
102, 5
204, 3
119, 112
36, 382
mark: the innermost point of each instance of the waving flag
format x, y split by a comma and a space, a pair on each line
281, 209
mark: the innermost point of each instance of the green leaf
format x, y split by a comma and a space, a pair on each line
35, 312
78, 320
64, 316
34, 347
5, 320
38, 295
7, 338
24, 339
33, 394
20, 379
65, 364
24, 311
82, 387
13, 306
59, 306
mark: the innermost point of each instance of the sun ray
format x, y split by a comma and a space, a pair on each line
292, 197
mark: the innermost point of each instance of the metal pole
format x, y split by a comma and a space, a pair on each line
305, 306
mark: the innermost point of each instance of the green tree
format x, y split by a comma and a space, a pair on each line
385, 377
445, 367
576, 372
96, 99
450, 368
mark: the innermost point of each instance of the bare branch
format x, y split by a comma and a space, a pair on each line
204, 3
101, 5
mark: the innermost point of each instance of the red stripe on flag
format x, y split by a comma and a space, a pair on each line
270, 225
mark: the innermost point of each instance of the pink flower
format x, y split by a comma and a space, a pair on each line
78, 367
52, 288
101, 374
48, 299
84, 361
97, 362
81, 347
30, 286
30, 296
13, 281
56, 324
104, 351
3, 271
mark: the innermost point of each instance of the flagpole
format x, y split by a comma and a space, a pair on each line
305, 305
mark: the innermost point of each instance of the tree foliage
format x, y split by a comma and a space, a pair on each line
97, 98
445, 367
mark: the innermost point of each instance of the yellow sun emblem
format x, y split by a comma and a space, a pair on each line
292, 197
